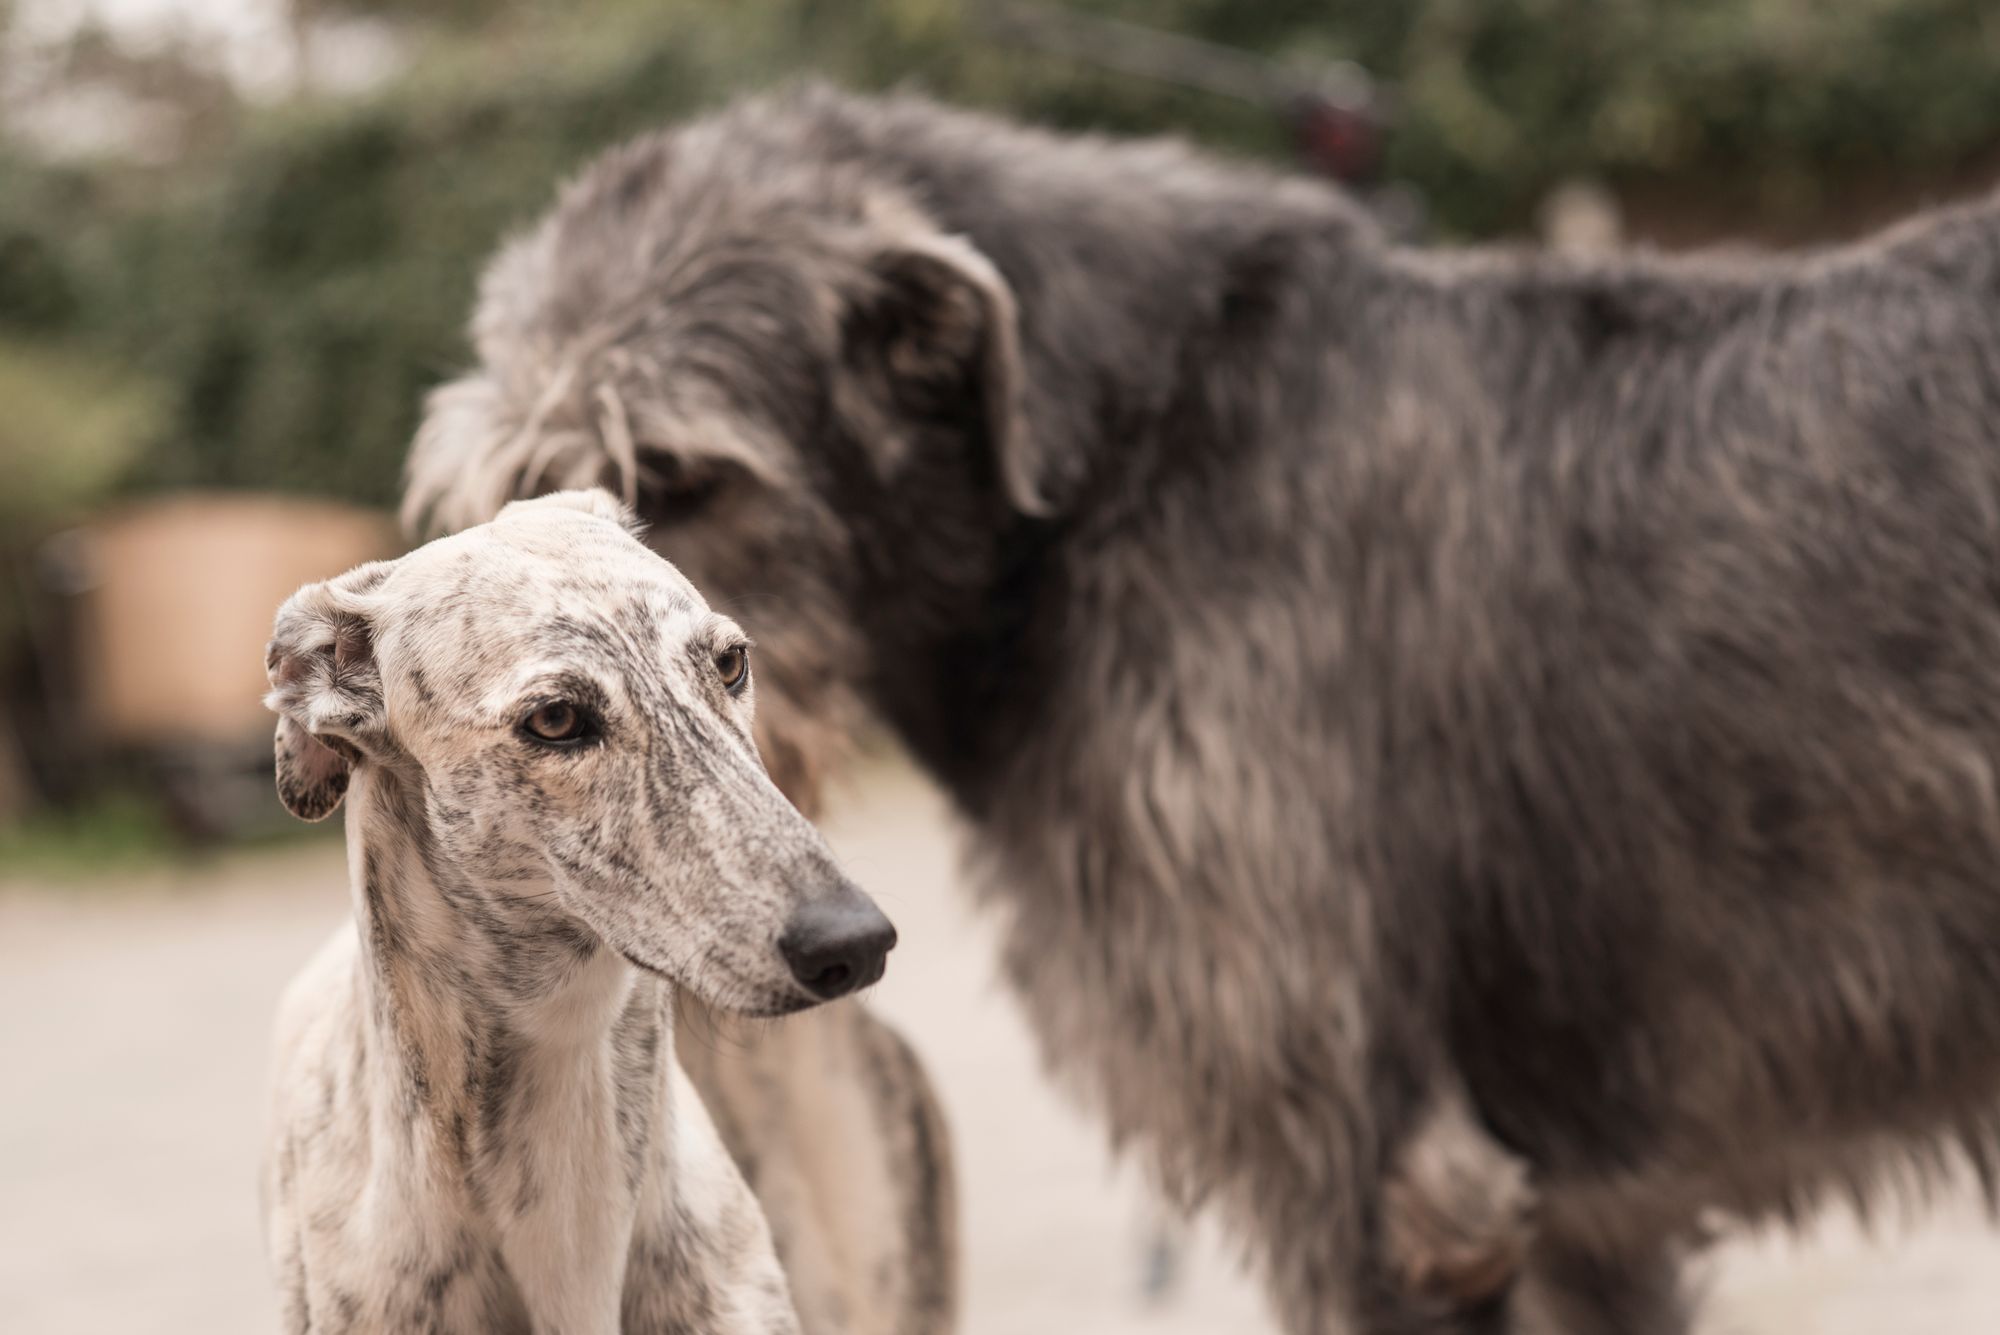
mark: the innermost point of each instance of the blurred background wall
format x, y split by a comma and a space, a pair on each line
238, 238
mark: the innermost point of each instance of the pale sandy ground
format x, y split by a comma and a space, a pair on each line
132, 1024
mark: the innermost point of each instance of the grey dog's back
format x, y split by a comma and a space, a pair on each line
1378, 681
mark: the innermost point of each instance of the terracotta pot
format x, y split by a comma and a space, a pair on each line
179, 597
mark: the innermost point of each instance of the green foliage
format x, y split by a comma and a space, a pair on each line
117, 832
70, 429
293, 300
1499, 99
75, 421
1504, 99
126, 830
301, 307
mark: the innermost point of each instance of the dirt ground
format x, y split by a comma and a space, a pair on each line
132, 1049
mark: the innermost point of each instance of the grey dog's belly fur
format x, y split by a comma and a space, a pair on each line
1424, 716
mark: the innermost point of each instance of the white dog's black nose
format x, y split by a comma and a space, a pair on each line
837, 944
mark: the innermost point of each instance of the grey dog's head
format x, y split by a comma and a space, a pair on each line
567, 713
756, 334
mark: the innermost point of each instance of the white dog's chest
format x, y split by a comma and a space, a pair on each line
386, 1282
555, 1222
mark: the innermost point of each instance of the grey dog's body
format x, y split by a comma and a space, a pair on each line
1486, 759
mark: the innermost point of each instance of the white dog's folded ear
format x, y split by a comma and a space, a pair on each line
325, 689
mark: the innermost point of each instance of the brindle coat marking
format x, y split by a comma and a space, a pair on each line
1486, 758
480, 1125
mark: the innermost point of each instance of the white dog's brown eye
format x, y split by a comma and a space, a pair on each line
557, 721
733, 665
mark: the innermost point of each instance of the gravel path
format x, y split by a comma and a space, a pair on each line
133, 1044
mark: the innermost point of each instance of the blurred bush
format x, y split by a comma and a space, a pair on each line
71, 429
269, 313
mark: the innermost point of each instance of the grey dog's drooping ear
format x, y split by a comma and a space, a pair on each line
325, 689
941, 317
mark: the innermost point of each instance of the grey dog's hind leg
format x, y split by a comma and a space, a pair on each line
1574, 1289
1457, 1210
1457, 1214
1446, 1243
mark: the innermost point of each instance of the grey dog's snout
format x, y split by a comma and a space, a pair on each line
837, 943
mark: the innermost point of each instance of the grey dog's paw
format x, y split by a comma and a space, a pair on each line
1458, 1213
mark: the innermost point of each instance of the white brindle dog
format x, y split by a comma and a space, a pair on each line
556, 818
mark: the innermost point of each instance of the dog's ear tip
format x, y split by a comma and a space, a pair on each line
312, 777
313, 805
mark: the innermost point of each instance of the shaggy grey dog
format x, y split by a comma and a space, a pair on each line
1489, 762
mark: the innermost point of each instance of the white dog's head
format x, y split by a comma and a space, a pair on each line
569, 714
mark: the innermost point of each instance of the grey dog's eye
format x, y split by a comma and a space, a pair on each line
557, 721
733, 665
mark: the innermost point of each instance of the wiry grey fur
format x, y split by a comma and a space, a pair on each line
1487, 759
480, 1125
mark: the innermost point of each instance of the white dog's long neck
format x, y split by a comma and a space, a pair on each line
519, 1068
